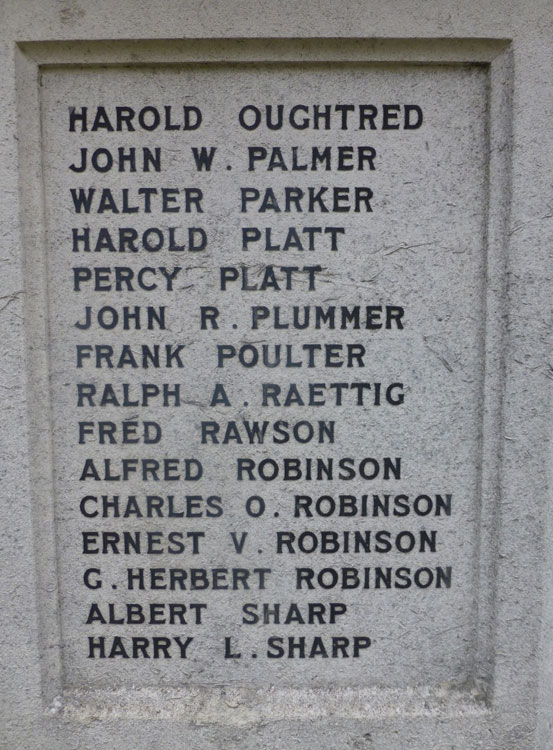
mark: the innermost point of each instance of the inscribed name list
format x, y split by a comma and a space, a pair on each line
266, 321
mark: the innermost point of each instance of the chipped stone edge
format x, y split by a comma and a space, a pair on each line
241, 706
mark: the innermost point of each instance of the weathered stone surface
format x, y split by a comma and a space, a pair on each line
276, 464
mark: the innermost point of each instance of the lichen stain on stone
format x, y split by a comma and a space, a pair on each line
70, 13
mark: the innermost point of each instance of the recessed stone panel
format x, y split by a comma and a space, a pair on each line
266, 321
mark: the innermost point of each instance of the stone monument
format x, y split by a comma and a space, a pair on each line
276, 372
